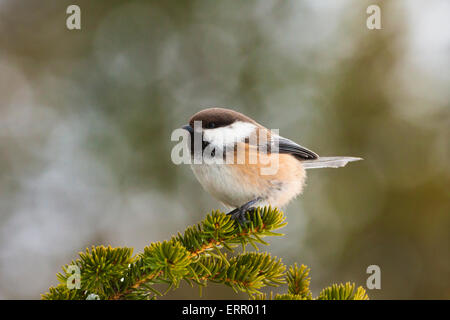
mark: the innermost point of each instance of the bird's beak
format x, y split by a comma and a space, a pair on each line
188, 128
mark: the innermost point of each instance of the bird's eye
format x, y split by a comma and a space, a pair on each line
211, 125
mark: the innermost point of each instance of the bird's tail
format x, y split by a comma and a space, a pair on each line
328, 162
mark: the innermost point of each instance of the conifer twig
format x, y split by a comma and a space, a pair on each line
197, 256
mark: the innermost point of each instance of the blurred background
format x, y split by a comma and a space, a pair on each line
86, 117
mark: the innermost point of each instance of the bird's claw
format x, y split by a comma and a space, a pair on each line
239, 214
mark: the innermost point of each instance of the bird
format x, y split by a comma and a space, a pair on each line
244, 165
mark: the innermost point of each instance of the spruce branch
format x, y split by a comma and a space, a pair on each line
298, 289
343, 292
198, 256
298, 281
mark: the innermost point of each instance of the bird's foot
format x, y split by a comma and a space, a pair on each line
239, 214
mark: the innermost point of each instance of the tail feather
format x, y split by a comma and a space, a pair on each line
328, 162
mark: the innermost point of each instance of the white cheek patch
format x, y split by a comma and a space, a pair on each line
223, 136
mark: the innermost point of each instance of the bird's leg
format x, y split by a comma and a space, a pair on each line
238, 214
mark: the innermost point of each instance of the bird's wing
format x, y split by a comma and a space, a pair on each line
309, 159
267, 141
288, 146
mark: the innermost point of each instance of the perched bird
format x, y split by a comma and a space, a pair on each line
245, 165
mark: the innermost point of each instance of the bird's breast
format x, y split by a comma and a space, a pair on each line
236, 184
